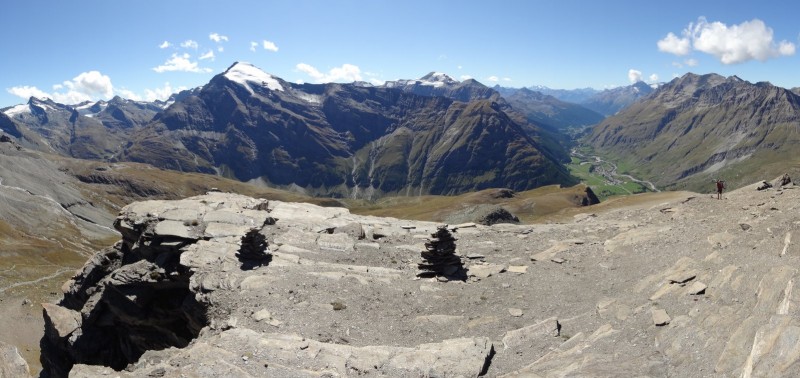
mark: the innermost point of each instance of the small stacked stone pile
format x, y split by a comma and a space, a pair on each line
254, 252
439, 258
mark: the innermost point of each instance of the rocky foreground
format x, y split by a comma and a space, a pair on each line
226, 285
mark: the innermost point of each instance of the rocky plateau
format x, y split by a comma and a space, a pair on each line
672, 284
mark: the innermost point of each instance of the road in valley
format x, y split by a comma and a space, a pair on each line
611, 174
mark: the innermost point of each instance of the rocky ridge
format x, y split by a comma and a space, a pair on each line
691, 286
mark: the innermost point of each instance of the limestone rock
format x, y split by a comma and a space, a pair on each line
60, 322
660, 317
11, 363
535, 334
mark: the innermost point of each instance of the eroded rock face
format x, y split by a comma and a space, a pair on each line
139, 294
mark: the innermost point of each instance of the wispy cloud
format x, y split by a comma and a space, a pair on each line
493, 79
750, 40
345, 73
217, 37
267, 45
180, 63
190, 44
208, 55
634, 75
164, 45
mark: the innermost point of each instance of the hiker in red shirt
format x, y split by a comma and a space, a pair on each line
720, 186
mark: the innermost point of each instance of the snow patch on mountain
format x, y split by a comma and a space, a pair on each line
307, 97
18, 109
246, 74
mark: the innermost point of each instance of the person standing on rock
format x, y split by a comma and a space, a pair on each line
720, 186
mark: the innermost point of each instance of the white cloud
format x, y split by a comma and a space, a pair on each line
91, 83
253, 46
653, 78
493, 79
674, 45
207, 55
161, 93
268, 45
506, 79
220, 49
86, 86
129, 94
217, 38
345, 73
465, 77
181, 63
634, 75
460, 67
750, 40
190, 44
690, 62
164, 45
26, 92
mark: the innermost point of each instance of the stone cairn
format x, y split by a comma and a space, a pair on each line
440, 259
254, 252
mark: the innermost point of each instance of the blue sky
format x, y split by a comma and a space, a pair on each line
93, 49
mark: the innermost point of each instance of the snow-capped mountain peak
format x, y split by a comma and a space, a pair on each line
246, 75
437, 79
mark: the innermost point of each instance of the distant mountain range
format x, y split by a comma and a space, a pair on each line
606, 102
548, 110
432, 135
696, 128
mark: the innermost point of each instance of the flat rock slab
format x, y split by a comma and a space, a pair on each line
336, 242
218, 230
515, 312
660, 317
520, 269
485, 270
171, 228
245, 353
682, 277
530, 335
697, 288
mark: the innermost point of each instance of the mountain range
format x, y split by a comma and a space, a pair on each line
434, 135
700, 127
606, 102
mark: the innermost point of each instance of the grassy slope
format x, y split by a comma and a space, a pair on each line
530, 206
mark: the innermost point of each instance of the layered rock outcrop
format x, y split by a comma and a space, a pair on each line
678, 284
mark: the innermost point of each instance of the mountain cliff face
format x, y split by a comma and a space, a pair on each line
699, 127
344, 139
